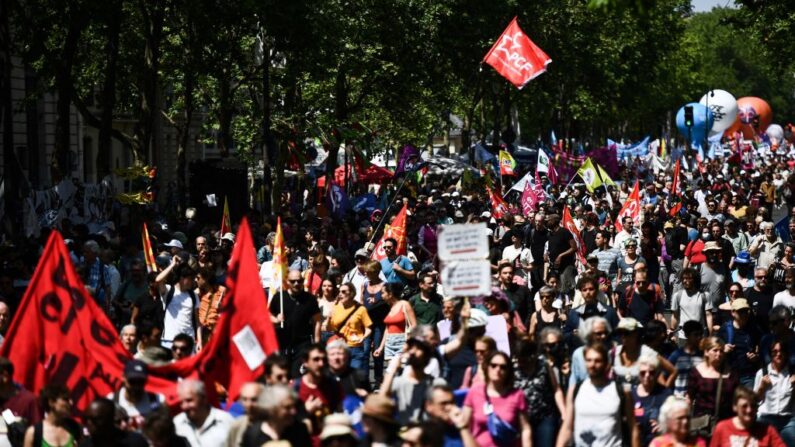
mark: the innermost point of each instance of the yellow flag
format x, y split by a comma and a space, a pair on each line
662, 148
589, 175
605, 178
279, 279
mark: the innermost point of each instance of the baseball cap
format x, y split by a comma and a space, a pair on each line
477, 318
135, 369
361, 253
229, 237
174, 243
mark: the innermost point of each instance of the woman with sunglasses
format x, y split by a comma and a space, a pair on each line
542, 391
351, 322
484, 347
626, 264
649, 396
547, 315
773, 388
499, 400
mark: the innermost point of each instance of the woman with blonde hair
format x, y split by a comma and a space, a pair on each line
710, 387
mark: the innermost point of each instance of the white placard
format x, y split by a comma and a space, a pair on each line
444, 327
249, 347
466, 278
463, 241
497, 328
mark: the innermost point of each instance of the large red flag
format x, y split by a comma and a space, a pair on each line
631, 208
569, 224
60, 335
498, 206
397, 231
244, 335
516, 57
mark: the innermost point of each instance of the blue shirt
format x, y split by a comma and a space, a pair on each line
391, 275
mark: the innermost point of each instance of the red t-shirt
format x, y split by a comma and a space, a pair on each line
694, 252
23, 404
329, 392
727, 435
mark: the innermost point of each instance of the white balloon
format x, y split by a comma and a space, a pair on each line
775, 132
724, 108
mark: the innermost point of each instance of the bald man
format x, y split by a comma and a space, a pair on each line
249, 393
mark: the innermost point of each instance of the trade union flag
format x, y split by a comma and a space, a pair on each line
516, 57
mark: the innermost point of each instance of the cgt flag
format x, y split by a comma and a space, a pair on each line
397, 231
516, 57
499, 208
61, 336
244, 335
507, 163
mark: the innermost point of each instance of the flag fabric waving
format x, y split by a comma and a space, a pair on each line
516, 57
499, 208
226, 221
408, 159
149, 256
244, 335
589, 175
507, 163
337, 201
605, 178
397, 231
675, 202
544, 164
569, 224
61, 335
532, 195
631, 208
279, 280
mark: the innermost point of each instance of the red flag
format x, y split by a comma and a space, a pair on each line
498, 206
631, 208
569, 224
397, 231
61, 335
149, 256
226, 221
516, 57
675, 184
528, 198
244, 335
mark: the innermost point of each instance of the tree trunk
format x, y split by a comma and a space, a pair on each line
269, 144
341, 116
108, 99
60, 167
225, 113
152, 11
183, 133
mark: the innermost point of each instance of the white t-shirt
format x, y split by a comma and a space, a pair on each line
597, 418
179, 314
784, 298
511, 253
139, 410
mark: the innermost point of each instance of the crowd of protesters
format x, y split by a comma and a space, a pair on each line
676, 330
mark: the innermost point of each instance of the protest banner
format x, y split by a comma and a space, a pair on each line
466, 277
463, 241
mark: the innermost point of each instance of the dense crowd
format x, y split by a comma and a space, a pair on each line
676, 330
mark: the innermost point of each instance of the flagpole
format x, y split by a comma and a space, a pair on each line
281, 296
386, 211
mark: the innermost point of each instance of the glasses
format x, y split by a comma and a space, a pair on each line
294, 281
645, 373
481, 351
552, 345
734, 291
389, 247
599, 334
760, 277
179, 348
776, 351
641, 283
501, 366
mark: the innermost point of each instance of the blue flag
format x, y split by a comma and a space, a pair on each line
365, 202
782, 229
337, 201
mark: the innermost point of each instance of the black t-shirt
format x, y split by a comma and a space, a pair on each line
299, 312
296, 435
642, 306
150, 309
119, 438
673, 239
535, 240
352, 379
521, 299
558, 243
589, 238
761, 302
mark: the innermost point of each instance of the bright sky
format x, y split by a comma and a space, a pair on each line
707, 5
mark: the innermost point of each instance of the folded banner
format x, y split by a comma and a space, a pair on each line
244, 335
516, 57
61, 335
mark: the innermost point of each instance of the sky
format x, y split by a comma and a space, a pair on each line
707, 5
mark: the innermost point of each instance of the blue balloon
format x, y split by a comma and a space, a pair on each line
702, 123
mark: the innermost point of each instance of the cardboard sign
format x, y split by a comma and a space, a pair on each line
463, 241
466, 278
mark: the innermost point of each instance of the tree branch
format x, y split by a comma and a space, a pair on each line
95, 122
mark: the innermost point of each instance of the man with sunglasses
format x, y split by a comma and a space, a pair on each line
298, 323
760, 297
742, 342
396, 268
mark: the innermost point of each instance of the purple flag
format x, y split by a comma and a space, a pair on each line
408, 159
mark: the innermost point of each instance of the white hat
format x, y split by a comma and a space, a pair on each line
174, 243
485, 214
229, 237
477, 318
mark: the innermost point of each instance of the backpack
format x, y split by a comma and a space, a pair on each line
630, 293
170, 297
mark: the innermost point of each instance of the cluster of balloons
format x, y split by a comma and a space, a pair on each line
718, 112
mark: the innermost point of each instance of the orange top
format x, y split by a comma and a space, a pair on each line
396, 323
208, 307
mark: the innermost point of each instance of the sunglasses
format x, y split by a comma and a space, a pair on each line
179, 348
294, 281
501, 366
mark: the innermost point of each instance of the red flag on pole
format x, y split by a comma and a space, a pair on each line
226, 221
397, 231
631, 208
61, 335
244, 335
516, 57
498, 206
149, 256
569, 224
